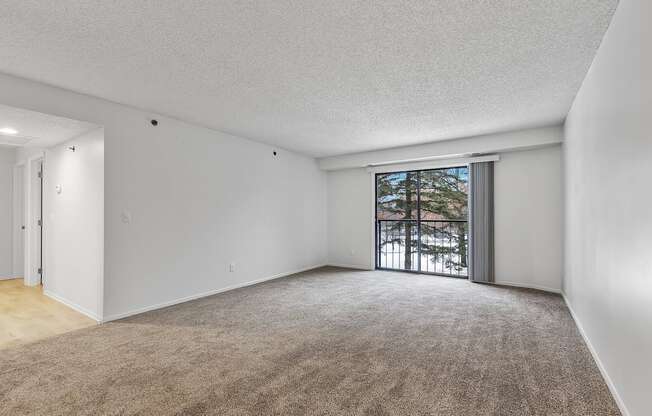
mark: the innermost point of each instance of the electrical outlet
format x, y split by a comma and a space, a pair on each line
352, 252
232, 267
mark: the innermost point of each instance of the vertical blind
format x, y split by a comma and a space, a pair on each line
481, 222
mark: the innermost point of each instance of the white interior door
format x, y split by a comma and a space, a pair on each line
36, 221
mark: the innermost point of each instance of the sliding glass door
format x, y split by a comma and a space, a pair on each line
421, 221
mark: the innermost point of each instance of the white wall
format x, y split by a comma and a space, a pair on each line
198, 199
74, 222
528, 218
528, 228
7, 160
608, 240
18, 222
350, 218
24, 153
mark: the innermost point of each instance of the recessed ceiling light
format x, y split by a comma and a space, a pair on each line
8, 130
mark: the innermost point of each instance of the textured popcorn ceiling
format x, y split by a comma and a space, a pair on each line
38, 129
318, 77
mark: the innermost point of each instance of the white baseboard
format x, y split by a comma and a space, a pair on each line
528, 286
72, 305
350, 266
204, 294
598, 362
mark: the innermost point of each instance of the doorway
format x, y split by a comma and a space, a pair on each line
58, 226
422, 221
32, 225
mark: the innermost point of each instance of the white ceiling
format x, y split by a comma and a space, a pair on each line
318, 77
38, 129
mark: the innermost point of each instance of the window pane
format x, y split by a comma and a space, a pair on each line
444, 194
444, 247
397, 244
397, 196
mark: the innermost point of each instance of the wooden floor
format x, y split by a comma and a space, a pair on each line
27, 315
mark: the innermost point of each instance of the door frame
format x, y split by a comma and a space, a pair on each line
30, 228
417, 222
410, 165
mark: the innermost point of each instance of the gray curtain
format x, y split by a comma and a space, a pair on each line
481, 222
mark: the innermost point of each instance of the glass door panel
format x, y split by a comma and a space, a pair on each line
421, 221
398, 245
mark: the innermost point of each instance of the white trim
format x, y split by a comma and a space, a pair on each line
436, 163
598, 362
351, 266
204, 294
526, 286
72, 305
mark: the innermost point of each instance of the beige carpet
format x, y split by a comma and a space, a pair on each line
326, 342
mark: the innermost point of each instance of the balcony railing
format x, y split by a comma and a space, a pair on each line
434, 246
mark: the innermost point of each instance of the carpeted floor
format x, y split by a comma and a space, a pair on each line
326, 342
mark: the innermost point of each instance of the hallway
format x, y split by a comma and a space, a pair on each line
27, 315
